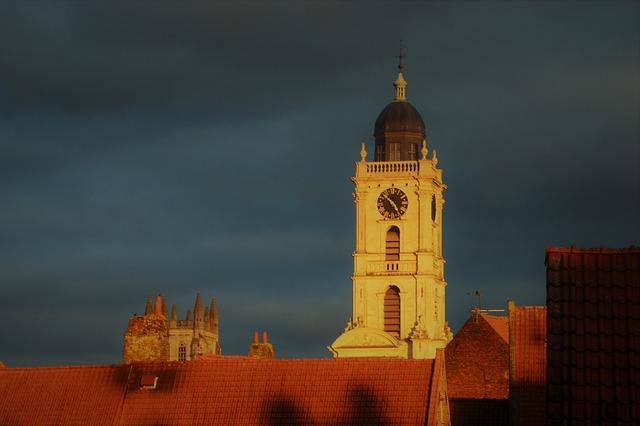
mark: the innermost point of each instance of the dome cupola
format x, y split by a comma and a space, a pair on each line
399, 129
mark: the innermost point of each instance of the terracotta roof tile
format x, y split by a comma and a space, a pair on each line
477, 359
227, 390
500, 324
593, 336
527, 363
62, 395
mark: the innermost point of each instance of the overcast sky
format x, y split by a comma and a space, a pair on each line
164, 147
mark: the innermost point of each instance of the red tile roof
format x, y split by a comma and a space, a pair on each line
499, 324
478, 359
87, 395
527, 364
593, 336
227, 390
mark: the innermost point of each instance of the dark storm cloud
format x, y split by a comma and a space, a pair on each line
235, 60
168, 147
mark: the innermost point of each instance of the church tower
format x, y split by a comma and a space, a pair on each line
398, 268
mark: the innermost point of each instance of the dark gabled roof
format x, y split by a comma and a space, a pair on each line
527, 364
593, 335
226, 391
477, 359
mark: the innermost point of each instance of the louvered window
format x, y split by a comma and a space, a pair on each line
392, 311
393, 244
394, 152
413, 152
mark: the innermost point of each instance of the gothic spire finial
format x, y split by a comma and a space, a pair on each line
174, 312
213, 315
198, 308
165, 312
400, 84
148, 310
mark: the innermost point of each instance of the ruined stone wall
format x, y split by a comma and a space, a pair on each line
146, 339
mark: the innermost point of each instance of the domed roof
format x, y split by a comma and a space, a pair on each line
399, 116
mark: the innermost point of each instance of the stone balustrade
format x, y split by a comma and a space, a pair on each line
391, 167
391, 266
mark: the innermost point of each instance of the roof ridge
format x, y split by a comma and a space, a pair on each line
602, 249
62, 367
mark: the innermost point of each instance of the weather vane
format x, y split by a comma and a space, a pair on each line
478, 295
400, 57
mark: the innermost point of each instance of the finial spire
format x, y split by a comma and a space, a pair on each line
213, 314
400, 84
423, 150
148, 310
400, 57
363, 152
198, 308
174, 312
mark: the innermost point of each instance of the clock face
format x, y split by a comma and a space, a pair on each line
392, 203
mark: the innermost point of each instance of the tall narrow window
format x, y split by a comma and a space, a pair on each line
393, 244
379, 155
433, 208
394, 152
182, 352
413, 152
392, 311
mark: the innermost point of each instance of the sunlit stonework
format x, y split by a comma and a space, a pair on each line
398, 268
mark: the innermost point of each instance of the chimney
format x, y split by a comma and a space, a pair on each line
261, 350
158, 310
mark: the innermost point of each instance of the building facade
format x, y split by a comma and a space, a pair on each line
156, 336
398, 268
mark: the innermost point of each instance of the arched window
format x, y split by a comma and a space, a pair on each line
392, 311
182, 352
393, 244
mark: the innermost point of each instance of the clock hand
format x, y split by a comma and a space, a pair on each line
392, 203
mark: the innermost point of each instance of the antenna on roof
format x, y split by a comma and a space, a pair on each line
479, 296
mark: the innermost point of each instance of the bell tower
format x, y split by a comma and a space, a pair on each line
398, 268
